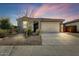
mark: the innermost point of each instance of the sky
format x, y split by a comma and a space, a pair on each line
65, 11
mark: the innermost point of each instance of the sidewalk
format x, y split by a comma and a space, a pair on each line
39, 50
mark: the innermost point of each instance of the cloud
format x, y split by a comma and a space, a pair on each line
50, 8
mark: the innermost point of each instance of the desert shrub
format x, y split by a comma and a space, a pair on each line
29, 32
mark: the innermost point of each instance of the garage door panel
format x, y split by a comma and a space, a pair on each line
49, 26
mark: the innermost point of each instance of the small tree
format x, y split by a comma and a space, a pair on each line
4, 27
5, 23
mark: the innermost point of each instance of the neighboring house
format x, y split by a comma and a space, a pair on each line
72, 26
41, 24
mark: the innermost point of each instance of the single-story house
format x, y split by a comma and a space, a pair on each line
72, 26
41, 24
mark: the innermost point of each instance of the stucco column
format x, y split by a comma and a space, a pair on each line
39, 23
32, 25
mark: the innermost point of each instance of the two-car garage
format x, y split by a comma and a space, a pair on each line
50, 26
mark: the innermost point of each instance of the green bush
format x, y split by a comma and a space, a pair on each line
3, 33
29, 32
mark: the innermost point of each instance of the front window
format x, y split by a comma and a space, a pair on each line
25, 24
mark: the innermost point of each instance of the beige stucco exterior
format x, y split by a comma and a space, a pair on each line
20, 25
46, 25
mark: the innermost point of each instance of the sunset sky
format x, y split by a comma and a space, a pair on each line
68, 12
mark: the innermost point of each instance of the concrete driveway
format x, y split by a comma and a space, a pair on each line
60, 38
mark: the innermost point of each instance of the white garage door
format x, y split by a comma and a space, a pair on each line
50, 26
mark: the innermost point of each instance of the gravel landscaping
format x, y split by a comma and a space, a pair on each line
19, 39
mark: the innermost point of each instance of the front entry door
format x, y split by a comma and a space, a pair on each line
35, 26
